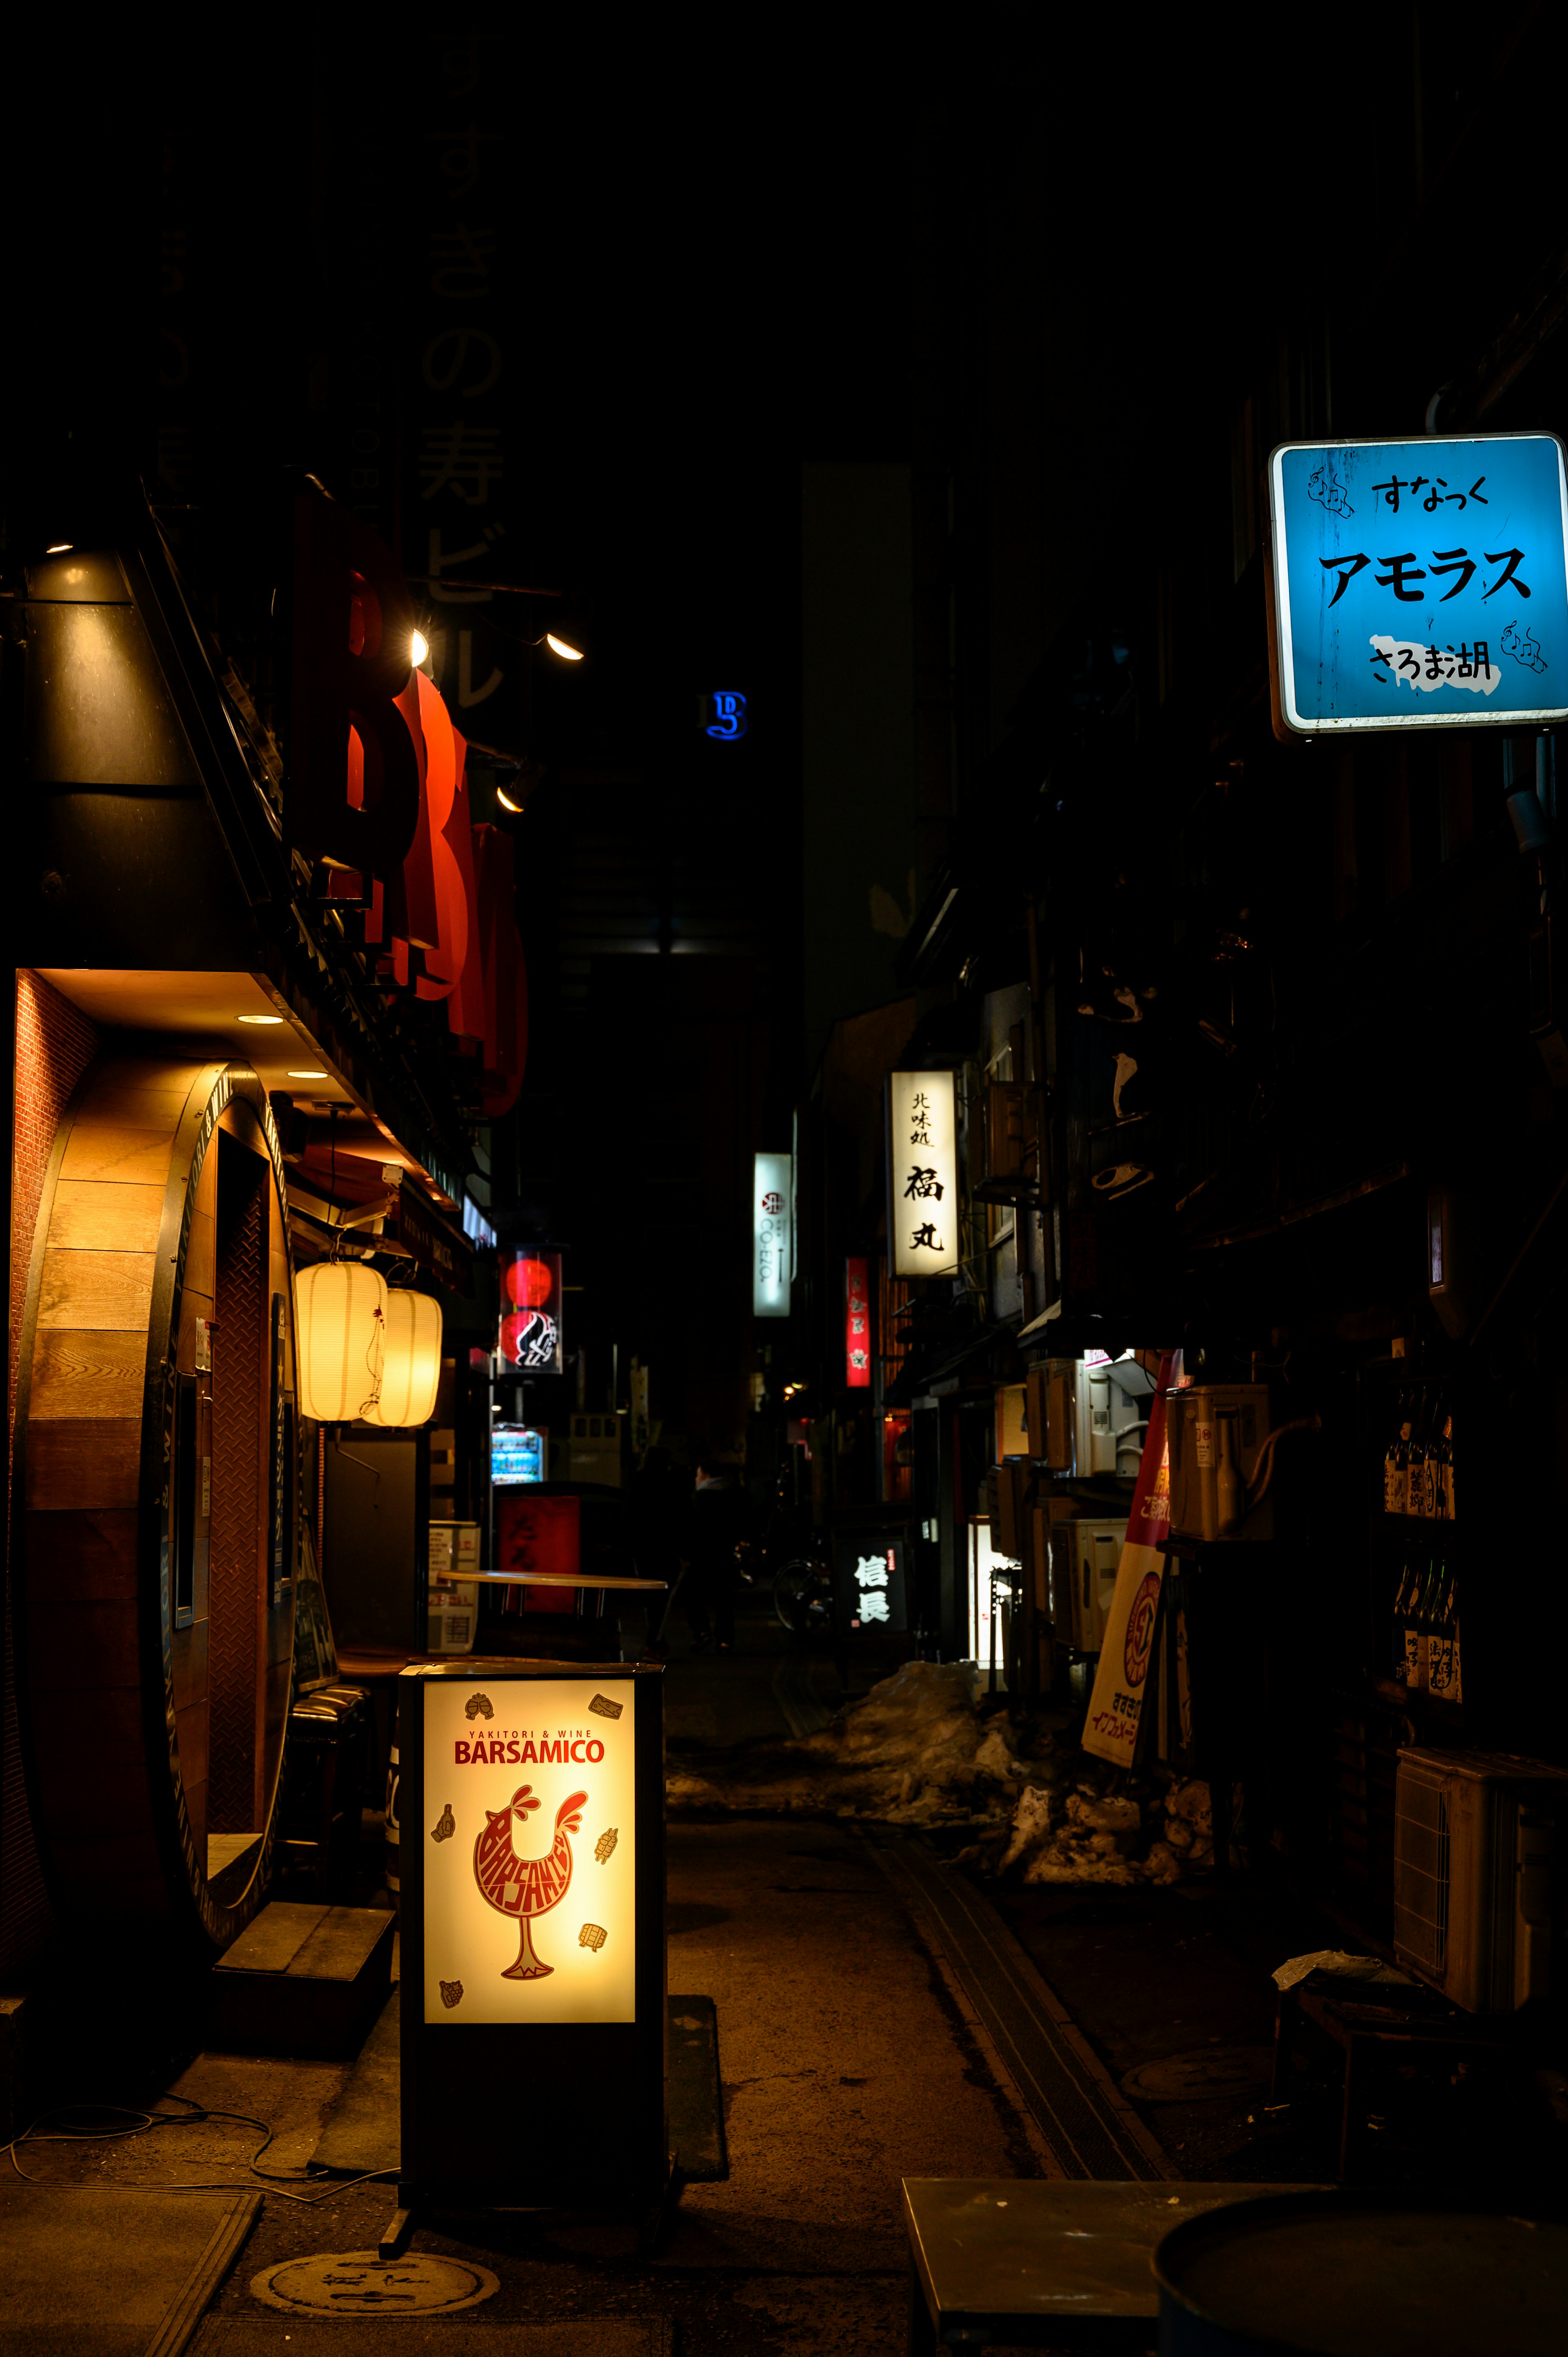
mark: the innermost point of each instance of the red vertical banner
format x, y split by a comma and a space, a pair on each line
856, 1326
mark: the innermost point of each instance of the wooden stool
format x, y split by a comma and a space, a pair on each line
329, 1740
1043, 2262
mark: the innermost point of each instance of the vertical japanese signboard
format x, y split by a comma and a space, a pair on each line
922, 1174
533, 2016
772, 1188
1419, 585
856, 1326
1122, 1677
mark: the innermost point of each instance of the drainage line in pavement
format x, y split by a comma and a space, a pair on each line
1078, 2107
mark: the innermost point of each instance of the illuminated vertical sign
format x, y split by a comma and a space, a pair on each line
856, 1326
533, 1936
530, 1906
530, 1326
773, 1185
922, 1174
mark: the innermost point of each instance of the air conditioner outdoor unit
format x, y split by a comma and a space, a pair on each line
1477, 1841
1085, 1555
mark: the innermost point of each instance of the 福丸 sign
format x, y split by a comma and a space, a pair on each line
922, 1174
1419, 585
534, 2040
772, 1187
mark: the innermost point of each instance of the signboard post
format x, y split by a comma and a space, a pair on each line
534, 1978
1419, 585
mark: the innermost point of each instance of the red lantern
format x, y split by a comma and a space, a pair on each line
529, 1283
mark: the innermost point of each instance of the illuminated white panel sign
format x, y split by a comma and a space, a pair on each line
530, 1851
773, 1187
922, 1174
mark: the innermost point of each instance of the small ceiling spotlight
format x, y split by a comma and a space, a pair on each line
562, 647
507, 803
419, 648
59, 548
260, 1019
307, 1076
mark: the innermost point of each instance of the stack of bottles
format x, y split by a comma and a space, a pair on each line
1425, 1634
1418, 1462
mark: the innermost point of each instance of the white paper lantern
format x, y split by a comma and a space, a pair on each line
339, 1310
410, 1368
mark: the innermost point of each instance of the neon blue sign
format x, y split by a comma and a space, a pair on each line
723, 715
1419, 585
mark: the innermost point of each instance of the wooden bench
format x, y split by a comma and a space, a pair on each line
1043, 2262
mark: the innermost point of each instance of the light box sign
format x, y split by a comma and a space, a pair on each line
1419, 585
532, 1325
533, 2030
871, 1582
772, 1188
922, 1174
530, 1886
856, 1326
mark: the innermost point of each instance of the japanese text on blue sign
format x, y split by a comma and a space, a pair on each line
1420, 584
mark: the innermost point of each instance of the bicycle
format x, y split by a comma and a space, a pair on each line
803, 1597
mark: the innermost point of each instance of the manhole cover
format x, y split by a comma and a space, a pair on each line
1197, 2077
358, 2283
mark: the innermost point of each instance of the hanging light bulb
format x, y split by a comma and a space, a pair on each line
410, 1368
341, 1312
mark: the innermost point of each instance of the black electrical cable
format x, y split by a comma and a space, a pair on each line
141, 2122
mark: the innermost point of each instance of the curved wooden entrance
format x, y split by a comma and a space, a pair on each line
157, 1478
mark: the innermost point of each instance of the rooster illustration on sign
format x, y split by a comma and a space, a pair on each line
523, 1888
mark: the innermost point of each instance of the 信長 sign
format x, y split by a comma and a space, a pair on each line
1419, 585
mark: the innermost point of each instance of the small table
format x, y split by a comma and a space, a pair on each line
1366, 2017
1034, 2262
560, 1579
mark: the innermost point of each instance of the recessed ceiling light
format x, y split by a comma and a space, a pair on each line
59, 548
260, 1019
306, 1076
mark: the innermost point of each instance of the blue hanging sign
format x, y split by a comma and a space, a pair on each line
1419, 585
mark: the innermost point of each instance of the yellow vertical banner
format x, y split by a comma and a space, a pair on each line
1121, 1677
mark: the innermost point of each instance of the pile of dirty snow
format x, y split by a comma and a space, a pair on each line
917, 1751
914, 1751
1157, 1829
